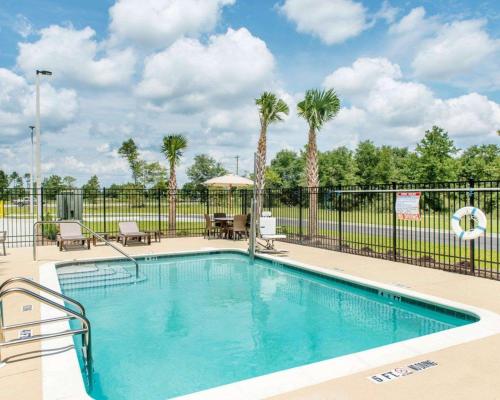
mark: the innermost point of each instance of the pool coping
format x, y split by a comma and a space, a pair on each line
62, 378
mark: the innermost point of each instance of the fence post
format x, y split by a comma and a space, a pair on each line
394, 223
208, 201
339, 216
41, 214
300, 214
158, 192
104, 210
472, 242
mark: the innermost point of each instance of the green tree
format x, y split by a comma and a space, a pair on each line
271, 110
130, 152
367, 158
480, 163
16, 180
91, 188
435, 154
4, 184
286, 170
53, 183
203, 168
337, 167
317, 108
173, 149
69, 183
154, 175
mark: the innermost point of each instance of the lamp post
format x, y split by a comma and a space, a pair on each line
32, 187
38, 146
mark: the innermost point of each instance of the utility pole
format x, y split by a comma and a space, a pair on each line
32, 174
38, 163
237, 164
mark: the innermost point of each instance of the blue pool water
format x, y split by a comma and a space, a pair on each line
198, 321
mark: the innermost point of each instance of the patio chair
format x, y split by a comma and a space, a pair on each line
130, 230
210, 228
71, 232
267, 233
3, 238
239, 226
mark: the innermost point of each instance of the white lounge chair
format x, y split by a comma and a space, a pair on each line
267, 233
71, 232
130, 230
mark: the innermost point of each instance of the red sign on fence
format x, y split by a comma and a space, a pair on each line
407, 206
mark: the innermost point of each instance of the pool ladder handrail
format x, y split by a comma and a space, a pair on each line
85, 329
92, 232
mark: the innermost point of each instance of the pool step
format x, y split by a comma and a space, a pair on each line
101, 275
85, 275
76, 269
104, 277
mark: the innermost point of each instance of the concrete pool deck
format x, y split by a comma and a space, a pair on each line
463, 371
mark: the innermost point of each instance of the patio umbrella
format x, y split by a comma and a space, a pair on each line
228, 182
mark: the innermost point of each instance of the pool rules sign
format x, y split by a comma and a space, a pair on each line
407, 206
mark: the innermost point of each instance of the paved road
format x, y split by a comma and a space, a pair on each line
444, 237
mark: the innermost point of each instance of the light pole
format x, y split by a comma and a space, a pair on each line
38, 165
32, 186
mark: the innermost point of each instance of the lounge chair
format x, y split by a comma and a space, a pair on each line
267, 233
239, 226
71, 232
210, 228
3, 238
130, 230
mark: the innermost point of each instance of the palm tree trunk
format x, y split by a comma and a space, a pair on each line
261, 170
312, 183
172, 211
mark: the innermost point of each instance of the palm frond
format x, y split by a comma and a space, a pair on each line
173, 147
271, 108
318, 107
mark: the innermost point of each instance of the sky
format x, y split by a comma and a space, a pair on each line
143, 69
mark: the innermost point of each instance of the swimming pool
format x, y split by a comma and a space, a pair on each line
197, 321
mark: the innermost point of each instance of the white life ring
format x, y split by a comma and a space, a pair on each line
478, 216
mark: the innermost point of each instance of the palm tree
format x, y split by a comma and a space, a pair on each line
173, 148
318, 107
271, 109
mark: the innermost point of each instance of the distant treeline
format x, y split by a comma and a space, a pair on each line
435, 159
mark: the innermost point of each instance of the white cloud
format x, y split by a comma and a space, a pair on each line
457, 48
17, 104
22, 26
158, 23
388, 109
472, 115
190, 75
362, 76
333, 21
75, 56
413, 22
460, 52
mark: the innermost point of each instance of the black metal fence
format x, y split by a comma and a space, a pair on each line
351, 219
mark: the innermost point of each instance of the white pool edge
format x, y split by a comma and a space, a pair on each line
62, 379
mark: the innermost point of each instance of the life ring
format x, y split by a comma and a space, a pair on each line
477, 215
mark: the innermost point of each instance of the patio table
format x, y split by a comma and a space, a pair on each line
225, 222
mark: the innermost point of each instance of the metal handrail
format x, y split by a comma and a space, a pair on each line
85, 330
89, 230
45, 289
